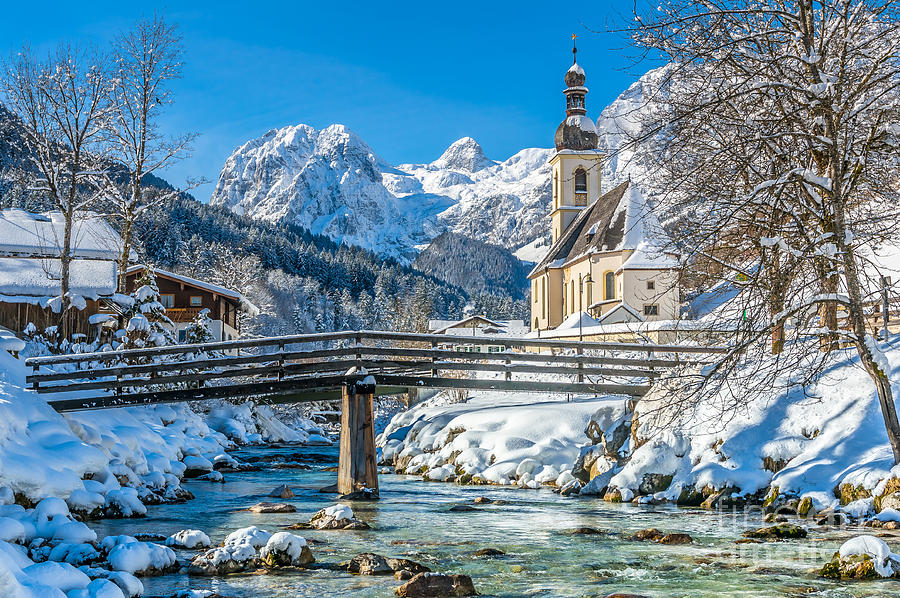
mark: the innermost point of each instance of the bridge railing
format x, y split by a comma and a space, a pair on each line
286, 365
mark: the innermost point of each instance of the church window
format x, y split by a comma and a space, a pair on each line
580, 181
590, 298
609, 285
651, 285
651, 310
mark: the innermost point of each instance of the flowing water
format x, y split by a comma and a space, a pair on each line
411, 520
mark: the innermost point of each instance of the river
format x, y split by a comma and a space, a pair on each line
412, 520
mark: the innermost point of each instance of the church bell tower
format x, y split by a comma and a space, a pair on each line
576, 164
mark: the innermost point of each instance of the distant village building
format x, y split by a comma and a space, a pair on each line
608, 254
480, 326
185, 297
30, 269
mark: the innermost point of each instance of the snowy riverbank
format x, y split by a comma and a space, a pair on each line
108, 463
827, 444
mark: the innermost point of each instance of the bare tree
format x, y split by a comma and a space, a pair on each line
780, 123
61, 104
147, 59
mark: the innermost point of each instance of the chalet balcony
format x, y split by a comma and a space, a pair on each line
179, 315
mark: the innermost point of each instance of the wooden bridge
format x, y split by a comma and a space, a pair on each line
355, 366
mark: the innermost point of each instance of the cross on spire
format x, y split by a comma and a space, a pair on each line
574, 49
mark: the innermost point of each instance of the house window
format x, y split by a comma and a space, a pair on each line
609, 286
196, 300
651, 310
182, 335
651, 285
580, 181
167, 301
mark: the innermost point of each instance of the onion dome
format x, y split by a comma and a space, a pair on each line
577, 131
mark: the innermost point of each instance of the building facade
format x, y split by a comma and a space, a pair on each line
185, 297
609, 255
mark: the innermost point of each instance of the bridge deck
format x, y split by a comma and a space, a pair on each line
302, 368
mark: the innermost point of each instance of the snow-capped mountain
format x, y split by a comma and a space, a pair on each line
333, 183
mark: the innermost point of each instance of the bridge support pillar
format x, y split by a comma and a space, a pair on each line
357, 472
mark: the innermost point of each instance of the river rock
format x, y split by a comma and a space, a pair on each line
285, 550
863, 557
620, 595
272, 507
337, 516
282, 492
782, 531
654, 535
407, 565
584, 531
231, 558
461, 509
489, 552
437, 585
369, 564
403, 575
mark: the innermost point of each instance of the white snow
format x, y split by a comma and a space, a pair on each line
504, 439
189, 538
286, 543
582, 122
874, 547
38, 280
136, 557
339, 511
253, 536
28, 234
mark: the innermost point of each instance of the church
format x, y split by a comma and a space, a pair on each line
609, 256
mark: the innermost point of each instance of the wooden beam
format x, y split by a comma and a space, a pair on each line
356, 461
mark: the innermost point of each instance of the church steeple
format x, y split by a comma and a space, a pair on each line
576, 164
577, 131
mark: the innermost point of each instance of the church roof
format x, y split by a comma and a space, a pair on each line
619, 219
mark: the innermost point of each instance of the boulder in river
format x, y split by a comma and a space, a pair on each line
272, 507
337, 516
231, 558
489, 552
369, 563
654, 535
282, 491
782, 531
437, 585
863, 557
285, 550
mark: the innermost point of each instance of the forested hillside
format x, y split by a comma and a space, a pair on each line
476, 266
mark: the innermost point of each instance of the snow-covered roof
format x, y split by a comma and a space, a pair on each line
38, 280
573, 321
24, 234
576, 68
619, 307
244, 303
620, 219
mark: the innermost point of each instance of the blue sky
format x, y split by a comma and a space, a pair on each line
409, 77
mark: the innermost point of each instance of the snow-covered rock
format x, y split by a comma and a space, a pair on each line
339, 516
189, 538
285, 550
141, 558
231, 558
863, 557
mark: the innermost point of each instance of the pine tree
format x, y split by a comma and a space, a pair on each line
200, 329
146, 319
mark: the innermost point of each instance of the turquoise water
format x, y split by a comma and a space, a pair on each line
412, 520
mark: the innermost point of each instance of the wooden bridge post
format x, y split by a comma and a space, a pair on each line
356, 465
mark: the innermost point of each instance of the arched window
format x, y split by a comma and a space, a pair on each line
572, 294
609, 285
590, 294
535, 324
580, 181
544, 307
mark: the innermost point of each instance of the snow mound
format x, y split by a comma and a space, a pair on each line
189, 538
874, 547
339, 511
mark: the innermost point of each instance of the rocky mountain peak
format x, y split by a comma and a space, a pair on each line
463, 154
